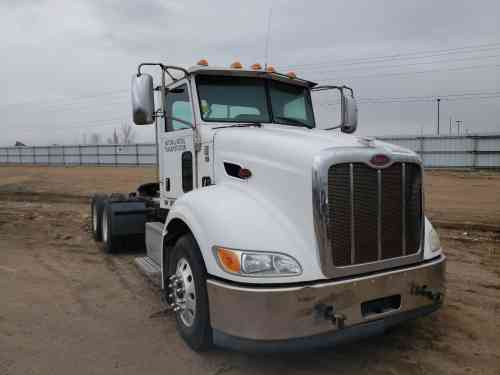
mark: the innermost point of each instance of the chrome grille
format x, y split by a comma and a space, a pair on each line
373, 214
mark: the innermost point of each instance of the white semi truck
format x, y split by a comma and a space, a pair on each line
265, 231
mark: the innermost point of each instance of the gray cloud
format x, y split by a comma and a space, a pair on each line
64, 58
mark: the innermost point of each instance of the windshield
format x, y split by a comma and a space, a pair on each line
247, 99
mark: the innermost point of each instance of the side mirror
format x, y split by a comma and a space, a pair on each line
349, 113
143, 105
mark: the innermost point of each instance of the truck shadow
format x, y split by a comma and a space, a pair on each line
392, 352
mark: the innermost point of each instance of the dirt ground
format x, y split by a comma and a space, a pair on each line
66, 307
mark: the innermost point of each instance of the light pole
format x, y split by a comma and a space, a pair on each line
438, 101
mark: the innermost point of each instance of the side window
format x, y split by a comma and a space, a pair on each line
179, 110
296, 108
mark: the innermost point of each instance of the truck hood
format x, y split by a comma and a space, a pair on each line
292, 147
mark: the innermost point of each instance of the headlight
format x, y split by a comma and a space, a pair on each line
434, 240
248, 263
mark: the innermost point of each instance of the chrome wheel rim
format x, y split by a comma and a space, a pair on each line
104, 227
185, 292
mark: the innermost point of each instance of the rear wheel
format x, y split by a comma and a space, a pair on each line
188, 288
96, 207
109, 241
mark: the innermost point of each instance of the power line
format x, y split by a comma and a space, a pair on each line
65, 99
402, 65
425, 98
398, 56
79, 108
390, 74
445, 96
428, 100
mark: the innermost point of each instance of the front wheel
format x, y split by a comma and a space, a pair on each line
188, 289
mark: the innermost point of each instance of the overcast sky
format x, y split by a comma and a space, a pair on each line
66, 65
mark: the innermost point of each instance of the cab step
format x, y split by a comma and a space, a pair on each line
150, 269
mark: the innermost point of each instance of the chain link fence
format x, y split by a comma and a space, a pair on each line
472, 151
475, 151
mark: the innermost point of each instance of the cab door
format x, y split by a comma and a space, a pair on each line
176, 144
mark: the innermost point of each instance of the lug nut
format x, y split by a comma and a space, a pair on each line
179, 290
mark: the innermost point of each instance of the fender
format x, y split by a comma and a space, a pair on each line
233, 216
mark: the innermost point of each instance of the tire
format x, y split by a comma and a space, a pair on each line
109, 241
96, 207
194, 328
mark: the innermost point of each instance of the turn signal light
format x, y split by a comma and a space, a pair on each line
244, 173
256, 66
236, 65
203, 62
291, 75
270, 69
229, 260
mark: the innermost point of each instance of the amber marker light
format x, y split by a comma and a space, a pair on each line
291, 75
256, 66
270, 69
244, 173
230, 260
236, 65
203, 62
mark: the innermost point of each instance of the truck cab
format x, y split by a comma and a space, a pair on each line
268, 230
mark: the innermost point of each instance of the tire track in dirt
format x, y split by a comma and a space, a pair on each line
42, 197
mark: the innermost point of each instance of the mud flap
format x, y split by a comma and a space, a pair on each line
128, 219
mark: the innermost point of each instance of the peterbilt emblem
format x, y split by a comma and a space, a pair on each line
380, 160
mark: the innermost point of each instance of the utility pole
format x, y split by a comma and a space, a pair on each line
450, 125
438, 101
459, 122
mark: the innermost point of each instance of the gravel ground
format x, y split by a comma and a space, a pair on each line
66, 307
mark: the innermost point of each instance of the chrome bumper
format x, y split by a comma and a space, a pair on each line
297, 314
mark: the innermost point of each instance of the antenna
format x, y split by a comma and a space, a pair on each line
268, 36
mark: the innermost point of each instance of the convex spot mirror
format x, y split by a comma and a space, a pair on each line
143, 105
349, 112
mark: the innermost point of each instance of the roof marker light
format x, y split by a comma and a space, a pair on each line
270, 69
256, 66
291, 75
203, 62
236, 65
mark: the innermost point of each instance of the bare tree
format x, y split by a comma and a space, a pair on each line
127, 134
114, 140
95, 139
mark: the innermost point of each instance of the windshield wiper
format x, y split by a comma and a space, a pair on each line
292, 121
257, 124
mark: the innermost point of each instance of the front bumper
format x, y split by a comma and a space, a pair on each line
293, 318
